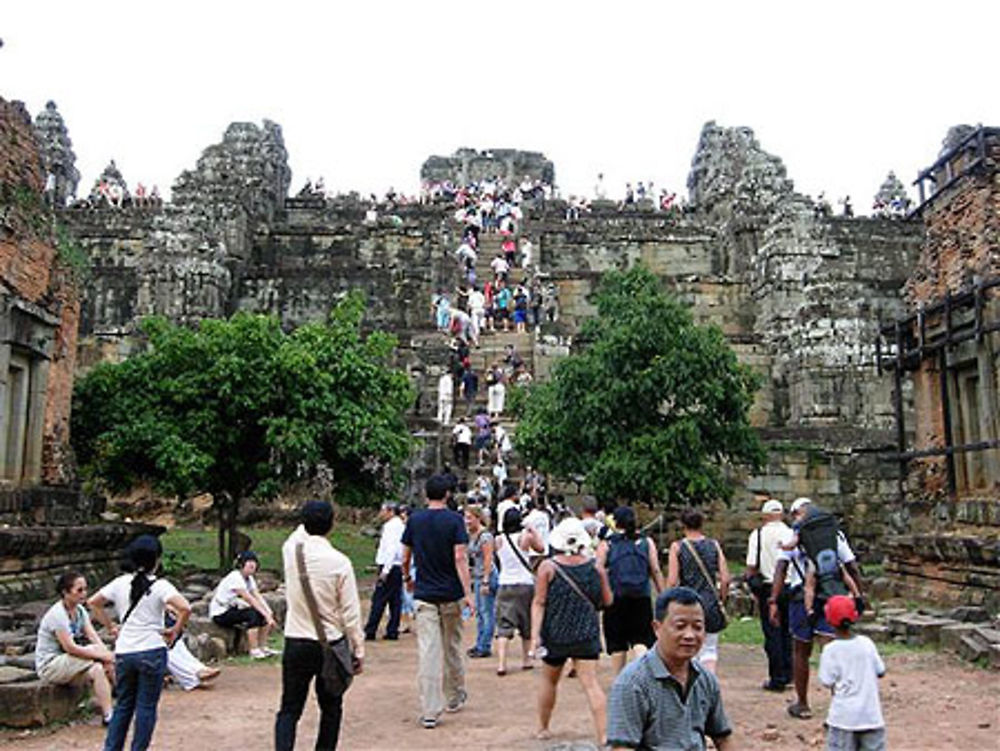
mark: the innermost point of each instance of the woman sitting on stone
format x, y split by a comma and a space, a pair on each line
237, 602
69, 649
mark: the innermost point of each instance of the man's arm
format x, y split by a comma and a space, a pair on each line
780, 569
406, 568
462, 566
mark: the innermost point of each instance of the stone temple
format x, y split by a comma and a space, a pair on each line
803, 297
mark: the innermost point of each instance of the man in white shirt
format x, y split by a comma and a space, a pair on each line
389, 586
762, 559
331, 579
446, 398
500, 267
462, 436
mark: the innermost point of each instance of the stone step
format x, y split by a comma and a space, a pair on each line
33, 703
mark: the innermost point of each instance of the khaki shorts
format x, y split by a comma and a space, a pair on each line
64, 668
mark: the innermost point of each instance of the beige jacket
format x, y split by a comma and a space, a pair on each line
331, 578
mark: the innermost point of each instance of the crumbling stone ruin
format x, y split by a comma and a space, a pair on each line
44, 517
800, 294
468, 165
944, 358
56, 151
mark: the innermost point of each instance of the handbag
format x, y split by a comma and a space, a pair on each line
711, 583
756, 582
338, 662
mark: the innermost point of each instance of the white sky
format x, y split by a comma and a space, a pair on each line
365, 91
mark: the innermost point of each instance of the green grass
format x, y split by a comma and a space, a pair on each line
742, 631
199, 547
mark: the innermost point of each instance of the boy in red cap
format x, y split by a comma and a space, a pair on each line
850, 666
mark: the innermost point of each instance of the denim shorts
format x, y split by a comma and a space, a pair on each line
801, 627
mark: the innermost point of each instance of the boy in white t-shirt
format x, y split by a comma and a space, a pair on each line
850, 666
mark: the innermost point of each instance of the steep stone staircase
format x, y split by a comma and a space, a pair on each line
491, 350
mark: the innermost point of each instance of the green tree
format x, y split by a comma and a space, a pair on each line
651, 409
239, 407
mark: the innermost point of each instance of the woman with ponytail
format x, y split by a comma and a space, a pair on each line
141, 647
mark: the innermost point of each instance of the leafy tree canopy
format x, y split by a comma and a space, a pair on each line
238, 407
651, 409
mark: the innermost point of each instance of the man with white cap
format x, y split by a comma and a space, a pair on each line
762, 559
804, 626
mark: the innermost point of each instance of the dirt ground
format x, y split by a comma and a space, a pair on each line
930, 701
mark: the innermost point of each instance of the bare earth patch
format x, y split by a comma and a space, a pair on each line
931, 701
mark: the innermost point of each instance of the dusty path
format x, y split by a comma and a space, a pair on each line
931, 702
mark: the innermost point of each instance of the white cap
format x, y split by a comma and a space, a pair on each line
799, 503
772, 506
570, 536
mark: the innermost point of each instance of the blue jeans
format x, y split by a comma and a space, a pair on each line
139, 680
485, 616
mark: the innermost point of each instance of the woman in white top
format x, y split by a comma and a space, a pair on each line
68, 648
237, 602
141, 647
184, 667
517, 584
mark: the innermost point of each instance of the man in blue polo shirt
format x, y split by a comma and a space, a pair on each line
436, 538
665, 700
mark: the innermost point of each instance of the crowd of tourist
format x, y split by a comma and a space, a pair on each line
568, 585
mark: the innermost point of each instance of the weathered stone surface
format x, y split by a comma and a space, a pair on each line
233, 640
12, 674
918, 629
469, 165
877, 632
33, 703
56, 150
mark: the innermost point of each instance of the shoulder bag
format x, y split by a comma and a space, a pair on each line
338, 662
758, 586
520, 556
711, 584
574, 586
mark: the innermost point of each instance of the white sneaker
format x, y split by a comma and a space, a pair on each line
258, 654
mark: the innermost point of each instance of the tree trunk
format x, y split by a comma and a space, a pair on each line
223, 563
231, 528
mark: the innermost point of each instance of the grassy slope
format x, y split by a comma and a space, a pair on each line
198, 547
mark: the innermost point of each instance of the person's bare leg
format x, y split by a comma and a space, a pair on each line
252, 641
547, 698
586, 671
802, 650
618, 660
526, 660
264, 633
502, 642
102, 688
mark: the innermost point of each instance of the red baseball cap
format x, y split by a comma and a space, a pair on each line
840, 608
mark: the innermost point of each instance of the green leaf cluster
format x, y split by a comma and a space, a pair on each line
240, 407
653, 407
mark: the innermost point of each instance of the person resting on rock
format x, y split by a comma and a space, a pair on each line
237, 602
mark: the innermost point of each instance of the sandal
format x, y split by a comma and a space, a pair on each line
799, 711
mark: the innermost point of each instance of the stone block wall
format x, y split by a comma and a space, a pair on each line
39, 314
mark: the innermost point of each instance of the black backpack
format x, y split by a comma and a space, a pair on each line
818, 534
628, 566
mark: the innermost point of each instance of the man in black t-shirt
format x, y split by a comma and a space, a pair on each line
436, 539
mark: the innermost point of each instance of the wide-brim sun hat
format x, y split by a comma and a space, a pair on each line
570, 536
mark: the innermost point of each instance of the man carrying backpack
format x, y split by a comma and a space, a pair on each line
631, 561
822, 550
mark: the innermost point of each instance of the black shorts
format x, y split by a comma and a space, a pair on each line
240, 618
629, 621
556, 660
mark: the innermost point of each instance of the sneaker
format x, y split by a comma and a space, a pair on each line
457, 702
271, 652
258, 654
428, 723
